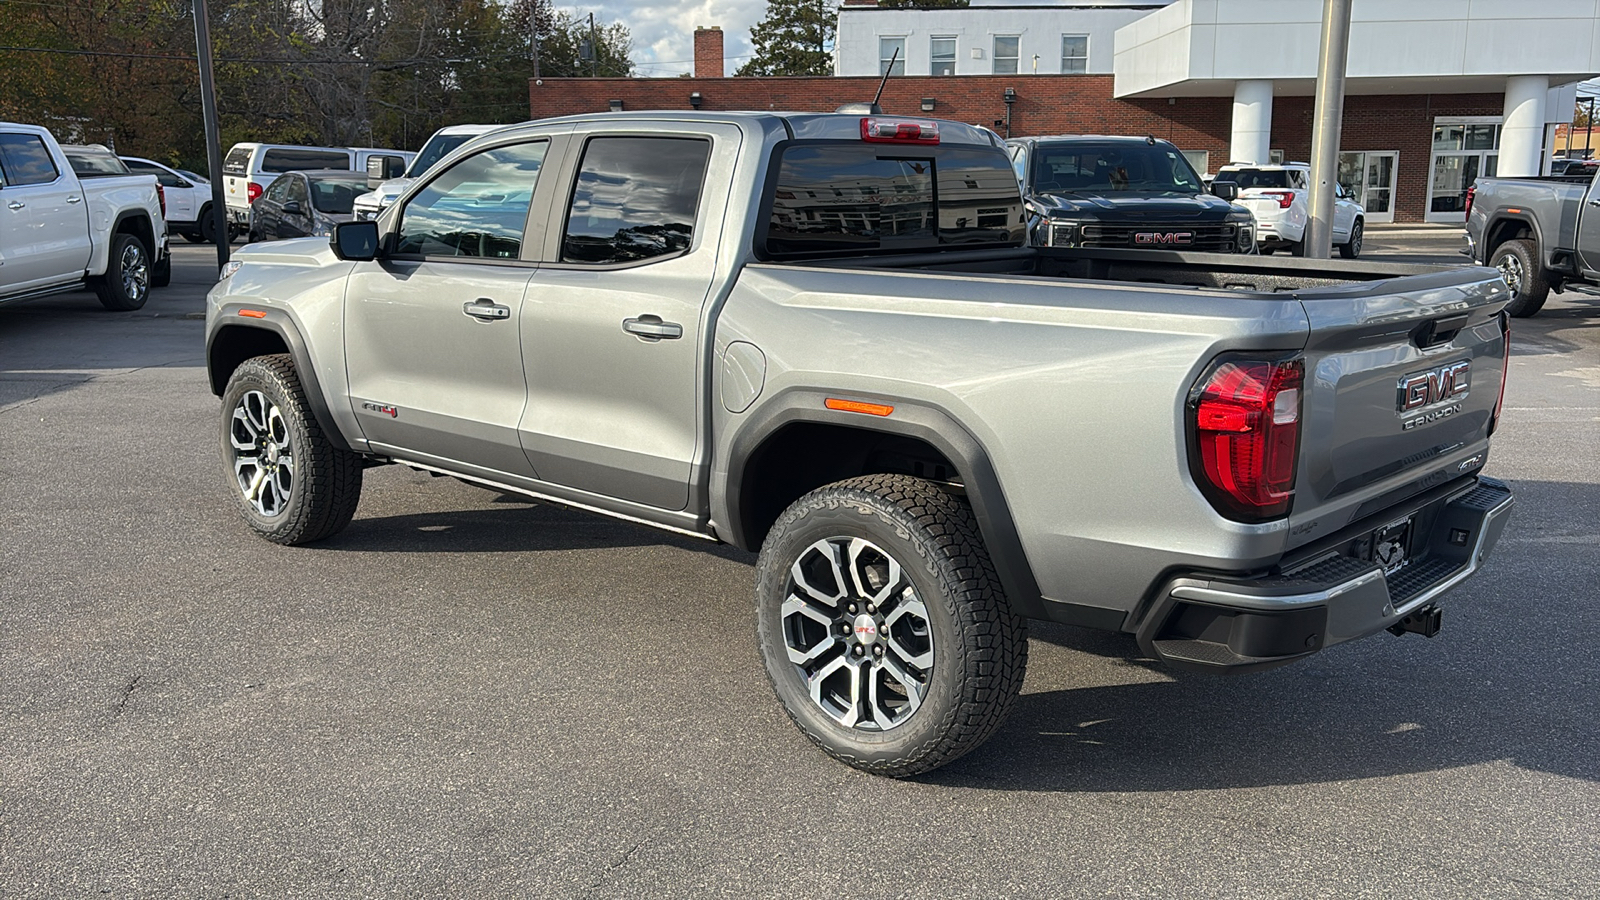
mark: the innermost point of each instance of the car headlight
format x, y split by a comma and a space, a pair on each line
1062, 232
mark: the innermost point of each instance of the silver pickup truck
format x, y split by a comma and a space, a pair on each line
822, 338
1542, 233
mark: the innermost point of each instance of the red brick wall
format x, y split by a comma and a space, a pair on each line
1054, 104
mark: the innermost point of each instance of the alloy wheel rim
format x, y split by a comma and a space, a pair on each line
135, 271
1356, 241
1511, 270
263, 458
857, 634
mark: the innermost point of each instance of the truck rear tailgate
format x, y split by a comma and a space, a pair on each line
1401, 386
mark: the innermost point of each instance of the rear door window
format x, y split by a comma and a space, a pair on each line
476, 208
283, 159
27, 160
635, 199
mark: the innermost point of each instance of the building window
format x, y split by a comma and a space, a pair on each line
1006, 53
1074, 54
942, 50
1200, 159
888, 48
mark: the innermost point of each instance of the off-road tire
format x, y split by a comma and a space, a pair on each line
980, 645
1351, 249
112, 287
326, 487
1518, 261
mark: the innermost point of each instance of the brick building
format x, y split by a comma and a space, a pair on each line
1474, 88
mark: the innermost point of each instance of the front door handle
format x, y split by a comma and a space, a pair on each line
15, 204
1595, 202
74, 199
485, 309
651, 328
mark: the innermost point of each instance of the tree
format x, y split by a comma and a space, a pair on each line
794, 38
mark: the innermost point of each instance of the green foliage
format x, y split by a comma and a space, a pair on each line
338, 72
794, 38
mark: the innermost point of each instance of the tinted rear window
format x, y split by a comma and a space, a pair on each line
95, 165
1257, 178
282, 160
336, 197
847, 198
237, 161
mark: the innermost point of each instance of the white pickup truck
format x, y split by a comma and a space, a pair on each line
59, 233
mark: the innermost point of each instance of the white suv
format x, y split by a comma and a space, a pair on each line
1280, 198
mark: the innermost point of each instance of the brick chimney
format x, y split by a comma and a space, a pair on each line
708, 52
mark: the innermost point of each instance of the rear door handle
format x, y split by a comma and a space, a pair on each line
485, 309
651, 328
15, 204
74, 199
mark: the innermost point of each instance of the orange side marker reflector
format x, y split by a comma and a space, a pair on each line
253, 313
1514, 211
856, 406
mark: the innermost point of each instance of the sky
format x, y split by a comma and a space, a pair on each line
663, 30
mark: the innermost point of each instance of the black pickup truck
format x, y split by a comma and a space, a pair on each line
1123, 192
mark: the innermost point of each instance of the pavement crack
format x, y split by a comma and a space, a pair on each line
615, 864
127, 692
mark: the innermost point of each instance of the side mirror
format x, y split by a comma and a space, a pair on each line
1227, 190
355, 241
291, 208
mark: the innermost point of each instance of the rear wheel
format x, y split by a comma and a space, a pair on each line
291, 484
883, 627
1352, 248
208, 227
126, 284
1518, 262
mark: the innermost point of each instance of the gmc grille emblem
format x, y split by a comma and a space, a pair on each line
1441, 385
1163, 237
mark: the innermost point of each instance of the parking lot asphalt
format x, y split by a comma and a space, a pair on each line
468, 694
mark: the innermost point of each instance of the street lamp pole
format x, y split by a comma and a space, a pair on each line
208, 111
1329, 119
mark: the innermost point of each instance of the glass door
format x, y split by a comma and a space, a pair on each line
1463, 151
1368, 176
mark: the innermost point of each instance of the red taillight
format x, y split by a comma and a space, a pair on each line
1505, 368
1246, 427
899, 131
252, 191
1471, 193
161, 200
1285, 198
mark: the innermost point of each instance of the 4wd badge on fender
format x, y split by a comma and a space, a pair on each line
389, 411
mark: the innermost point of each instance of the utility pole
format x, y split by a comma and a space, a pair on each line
594, 47
1328, 122
208, 111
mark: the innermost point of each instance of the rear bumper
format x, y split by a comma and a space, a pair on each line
1219, 624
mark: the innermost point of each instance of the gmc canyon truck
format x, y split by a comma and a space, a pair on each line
1541, 233
822, 337
62, 232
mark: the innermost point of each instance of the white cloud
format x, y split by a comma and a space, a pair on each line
663, 31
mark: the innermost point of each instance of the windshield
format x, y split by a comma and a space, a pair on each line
336, 196
434, 150
89, 164
1089, 167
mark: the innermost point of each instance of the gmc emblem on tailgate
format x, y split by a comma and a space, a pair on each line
1441, 385
1163, 237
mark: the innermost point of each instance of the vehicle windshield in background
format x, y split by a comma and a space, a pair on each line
1257, 178
96, 165
336, 196
435, 150
861, 198
1091, 168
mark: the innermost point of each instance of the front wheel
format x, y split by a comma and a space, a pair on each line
1518, 262
1352, 248
126, 284
208, 227
291, 484
883, 627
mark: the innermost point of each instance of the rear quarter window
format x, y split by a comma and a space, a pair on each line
843, 198
282, 160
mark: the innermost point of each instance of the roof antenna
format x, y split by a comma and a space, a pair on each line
873, 109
